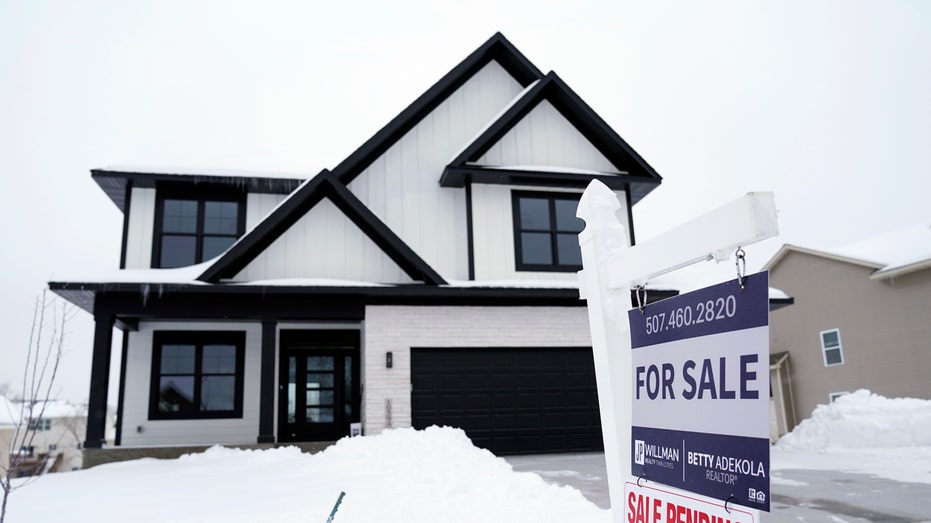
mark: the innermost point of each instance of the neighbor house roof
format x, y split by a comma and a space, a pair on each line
9, 413
894, 253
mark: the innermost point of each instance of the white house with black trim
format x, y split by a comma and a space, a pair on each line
429, 278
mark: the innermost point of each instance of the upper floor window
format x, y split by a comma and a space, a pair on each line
41, 424
197, 375
831, 348
189, 230
546, 231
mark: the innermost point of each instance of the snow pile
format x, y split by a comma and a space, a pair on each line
400, 475
862, 433
862, 420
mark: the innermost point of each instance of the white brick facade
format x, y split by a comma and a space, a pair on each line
397, 329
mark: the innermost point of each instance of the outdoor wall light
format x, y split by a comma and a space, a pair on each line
389, 360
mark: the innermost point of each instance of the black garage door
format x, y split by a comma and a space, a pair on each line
509, 400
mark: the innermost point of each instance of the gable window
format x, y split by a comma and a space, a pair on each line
546, 231
190, 230
831, 348
197, 375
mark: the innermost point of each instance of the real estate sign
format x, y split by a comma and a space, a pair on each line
700, 391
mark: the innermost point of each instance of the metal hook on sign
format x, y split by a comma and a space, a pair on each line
642, 476
726, 502
641, 301
741, 263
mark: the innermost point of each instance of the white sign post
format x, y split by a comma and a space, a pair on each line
611, 268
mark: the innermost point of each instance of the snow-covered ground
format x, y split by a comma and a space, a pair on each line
433, 475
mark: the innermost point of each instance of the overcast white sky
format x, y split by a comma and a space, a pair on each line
825, 103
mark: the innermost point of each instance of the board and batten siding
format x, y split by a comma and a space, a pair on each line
324, 243
545, 137
258, 205
493, 233
240, 431
140, 228
396, 329
402, 186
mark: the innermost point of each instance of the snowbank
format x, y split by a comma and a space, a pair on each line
864, 433
400, 475
863, 420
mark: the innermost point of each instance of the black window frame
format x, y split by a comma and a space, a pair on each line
198, 339
553, 231
201, 195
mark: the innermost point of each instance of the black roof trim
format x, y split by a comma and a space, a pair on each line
324, 185
114, 182
141, 295
580, 115
638, 186
496, 48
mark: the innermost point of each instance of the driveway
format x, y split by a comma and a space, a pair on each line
811, 496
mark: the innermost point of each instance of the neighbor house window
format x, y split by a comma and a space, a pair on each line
546, 231
190, 230
197, 375
834, 395
831, 348
40, 424
27, 451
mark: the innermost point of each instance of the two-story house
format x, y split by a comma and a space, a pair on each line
861, 320
51, 441
428, 278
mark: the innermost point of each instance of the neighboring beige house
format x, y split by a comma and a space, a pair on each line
51, 442
861, 320
8, 420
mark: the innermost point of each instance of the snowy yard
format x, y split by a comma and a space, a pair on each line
433, 475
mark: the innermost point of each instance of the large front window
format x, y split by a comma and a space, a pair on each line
191, 230
546, 231
197, 375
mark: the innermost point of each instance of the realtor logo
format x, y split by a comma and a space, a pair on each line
639, 451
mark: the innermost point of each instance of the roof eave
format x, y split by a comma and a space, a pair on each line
884, 274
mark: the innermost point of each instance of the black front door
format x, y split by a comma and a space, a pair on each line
319, 393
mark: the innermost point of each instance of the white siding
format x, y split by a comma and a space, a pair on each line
324, 243
397, 329
187, 432
141, 227
545, 137
402, 186
258, 205
493, 233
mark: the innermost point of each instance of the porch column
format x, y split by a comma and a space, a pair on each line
100, 381
267, 383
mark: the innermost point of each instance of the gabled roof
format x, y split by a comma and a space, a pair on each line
633, 172
497, 48
292, 209
115, 180
890, 254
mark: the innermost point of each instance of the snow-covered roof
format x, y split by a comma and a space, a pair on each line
893, 253
9, 413
202, 171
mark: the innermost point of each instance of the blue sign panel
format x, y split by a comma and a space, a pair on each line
700, 398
